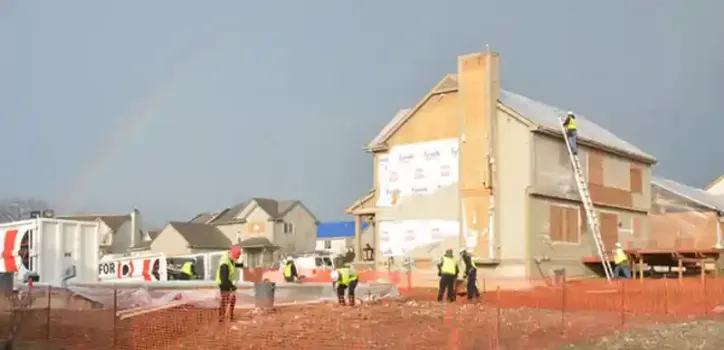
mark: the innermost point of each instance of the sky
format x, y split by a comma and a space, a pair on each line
177, 107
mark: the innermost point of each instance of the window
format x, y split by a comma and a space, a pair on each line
289, 228
327, 244
565, 224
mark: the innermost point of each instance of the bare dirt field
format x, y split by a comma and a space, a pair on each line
585, 315
703, 335
386, 325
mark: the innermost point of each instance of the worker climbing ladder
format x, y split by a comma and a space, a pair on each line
591, 215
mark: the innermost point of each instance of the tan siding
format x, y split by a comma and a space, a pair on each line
609, 176
616, 172
169, 242
514, 169
305, 230
636, 179
553, 172
233, 232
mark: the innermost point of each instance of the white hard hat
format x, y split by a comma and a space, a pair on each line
618, 245
463, 250
570, 113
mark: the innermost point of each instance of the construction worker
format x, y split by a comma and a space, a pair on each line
290, 271
226, 280
345, 278
621, 260
571, 131
471, 274
448, 271
188, 269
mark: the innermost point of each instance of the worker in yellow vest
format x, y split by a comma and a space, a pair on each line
226, 280
621, 260
345, 278
290, 271
447, 270
188, 269
572, 131
470, 274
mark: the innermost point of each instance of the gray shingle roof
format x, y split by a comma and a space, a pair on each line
114, 222
275, 209
202, 218
256, 242
693, 194
546, 118
201, 236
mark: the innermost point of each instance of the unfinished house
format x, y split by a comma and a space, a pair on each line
683, 218
473, 166
265, 228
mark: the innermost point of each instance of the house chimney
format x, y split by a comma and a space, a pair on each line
135, 227
478, 93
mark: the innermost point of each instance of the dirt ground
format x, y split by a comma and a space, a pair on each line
583, 316
703, 335
390, 325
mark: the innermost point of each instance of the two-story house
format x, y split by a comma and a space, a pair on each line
118, 232
473, 166
265, 228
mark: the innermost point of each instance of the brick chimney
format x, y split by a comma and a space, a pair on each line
478, 90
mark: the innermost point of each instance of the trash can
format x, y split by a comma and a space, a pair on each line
264, 294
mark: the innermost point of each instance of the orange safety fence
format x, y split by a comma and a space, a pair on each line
532, 316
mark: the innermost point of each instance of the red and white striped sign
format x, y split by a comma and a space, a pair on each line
12, 237
135, 269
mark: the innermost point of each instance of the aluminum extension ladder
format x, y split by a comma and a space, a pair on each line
591, 214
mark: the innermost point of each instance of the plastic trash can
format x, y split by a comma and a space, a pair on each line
264, 294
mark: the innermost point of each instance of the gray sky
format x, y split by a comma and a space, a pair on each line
177, 107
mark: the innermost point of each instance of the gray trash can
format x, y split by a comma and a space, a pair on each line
264, 294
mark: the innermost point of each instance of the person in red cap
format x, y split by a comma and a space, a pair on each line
226, 279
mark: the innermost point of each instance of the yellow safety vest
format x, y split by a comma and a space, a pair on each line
288, 270
572, 125
187, 268
448, 266
226, 260
619, 256
346, 275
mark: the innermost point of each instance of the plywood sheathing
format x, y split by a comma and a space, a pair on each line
478, 89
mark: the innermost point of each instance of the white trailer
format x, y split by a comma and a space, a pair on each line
159, 267
143, 268
51, 249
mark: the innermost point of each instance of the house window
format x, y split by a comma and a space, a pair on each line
565, 224
289, 228
327, 244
